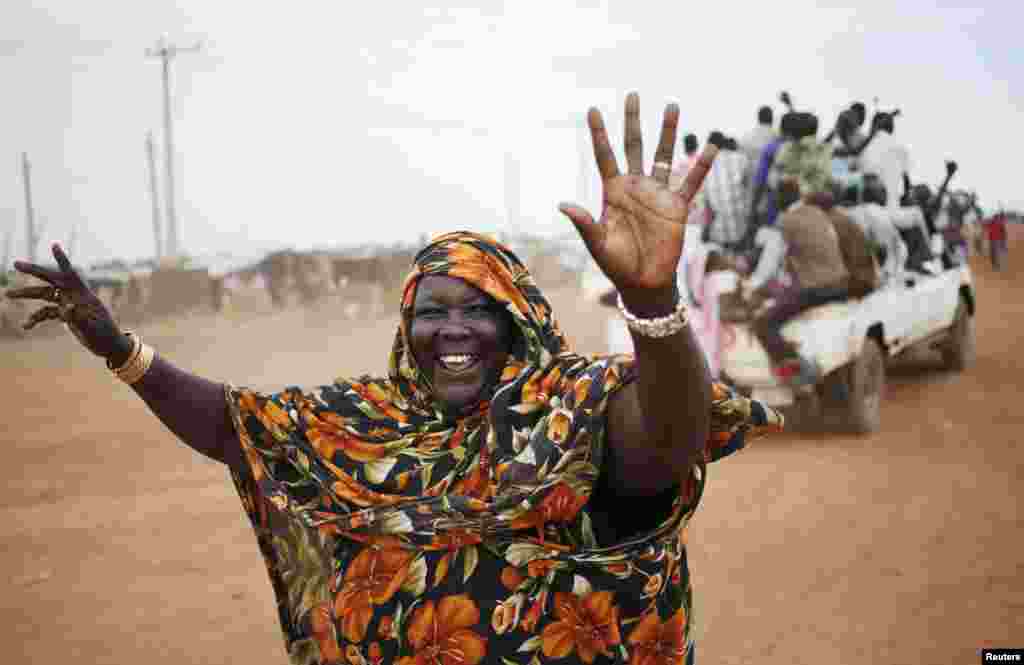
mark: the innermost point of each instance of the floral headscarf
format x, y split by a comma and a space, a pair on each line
370, 467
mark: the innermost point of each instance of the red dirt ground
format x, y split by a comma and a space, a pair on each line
120, 545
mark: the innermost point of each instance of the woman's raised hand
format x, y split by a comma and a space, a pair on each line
71, 301
639, 238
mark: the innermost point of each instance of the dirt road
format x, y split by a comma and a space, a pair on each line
120, 545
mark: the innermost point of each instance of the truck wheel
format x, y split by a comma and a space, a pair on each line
867, 386
959, 350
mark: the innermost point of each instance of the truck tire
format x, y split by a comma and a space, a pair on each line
959, 350
863, 413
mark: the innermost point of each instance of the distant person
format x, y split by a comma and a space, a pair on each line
886, 157
998, 244
690, 146
684, 163
725, 194
859, 115
756, 140
874, 218
917, 221
931, 204
804, 157
953, 228
819, 275
680, 168
857, 249
763, 211
767, 257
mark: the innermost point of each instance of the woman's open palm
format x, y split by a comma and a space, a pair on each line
639, 238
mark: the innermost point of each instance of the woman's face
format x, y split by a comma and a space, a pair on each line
460, 339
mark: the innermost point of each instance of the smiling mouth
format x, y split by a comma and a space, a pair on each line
458, 363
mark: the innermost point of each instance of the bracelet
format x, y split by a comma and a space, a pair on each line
662, 326
138, 363
136, 347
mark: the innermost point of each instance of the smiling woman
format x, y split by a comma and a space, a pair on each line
461, 337
495, 497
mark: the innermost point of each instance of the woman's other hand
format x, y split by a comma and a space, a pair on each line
71, 301
639, 238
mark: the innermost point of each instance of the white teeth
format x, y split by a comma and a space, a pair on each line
457, 361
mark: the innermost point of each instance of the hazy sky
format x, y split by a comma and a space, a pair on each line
311, 123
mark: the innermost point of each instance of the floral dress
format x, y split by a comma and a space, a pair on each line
393, 534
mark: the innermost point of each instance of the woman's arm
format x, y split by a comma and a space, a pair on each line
658, 425
194, 409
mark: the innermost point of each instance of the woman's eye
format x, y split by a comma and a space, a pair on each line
430, 314
479, 310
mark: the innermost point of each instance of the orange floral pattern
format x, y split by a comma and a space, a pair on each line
442, 633
394, 535
659, 643
372, 579
587, 625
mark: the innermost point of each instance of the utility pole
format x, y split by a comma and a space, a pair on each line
154, 196
30, 214
166, 52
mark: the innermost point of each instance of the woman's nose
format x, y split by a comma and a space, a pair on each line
455, 326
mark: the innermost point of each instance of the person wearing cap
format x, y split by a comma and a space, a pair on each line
804, 157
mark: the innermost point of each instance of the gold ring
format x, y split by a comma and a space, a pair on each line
663, 165
56, 294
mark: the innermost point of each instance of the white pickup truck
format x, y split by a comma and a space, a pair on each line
851, 342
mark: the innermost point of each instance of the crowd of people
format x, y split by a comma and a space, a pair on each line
808, 218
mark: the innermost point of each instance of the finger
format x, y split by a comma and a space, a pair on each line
666, 144
634, 136
65, 265
45, 274
48, 313
591, 232
603, 153
33, 292
695, 177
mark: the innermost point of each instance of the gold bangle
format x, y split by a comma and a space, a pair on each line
137, 369
132, 355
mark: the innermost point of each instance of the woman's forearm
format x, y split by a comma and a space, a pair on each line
193, 408
674, 382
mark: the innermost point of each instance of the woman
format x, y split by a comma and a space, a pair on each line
495, 498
